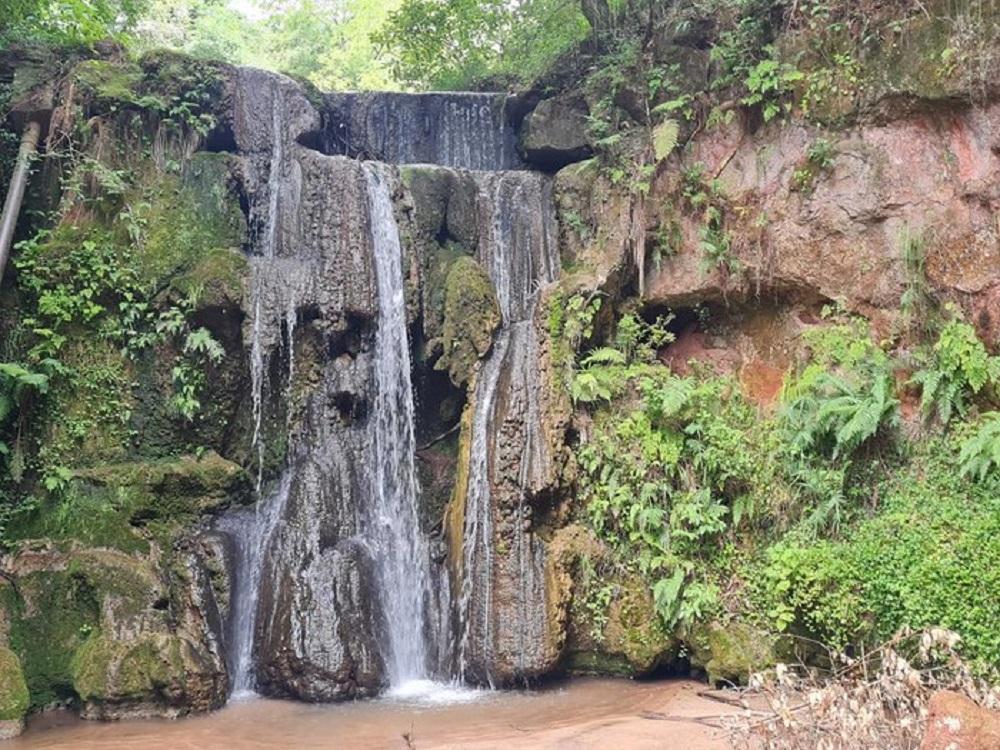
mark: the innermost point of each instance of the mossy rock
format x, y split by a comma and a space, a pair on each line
616, 633
731, 652
471, 316
49, 621
110, 81
108, 506
429, 190
14, 697
108, 669
188, 220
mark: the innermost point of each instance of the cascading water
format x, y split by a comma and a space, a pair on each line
391, 527
251, 530
519, 251
336, 594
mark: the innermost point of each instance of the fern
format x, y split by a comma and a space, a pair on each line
980, 454
961, 369
665, 137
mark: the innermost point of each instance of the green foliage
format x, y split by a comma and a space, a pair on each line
918, 303
604, 372
839, 403
928, 558
768, 84
705, 198
959, 369
66, 22
663, 481
200, 350
839, 413
980, 454
450, 44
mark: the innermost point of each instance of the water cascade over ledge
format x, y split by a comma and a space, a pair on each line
337, 589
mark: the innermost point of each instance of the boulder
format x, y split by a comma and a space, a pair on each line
730, 652
555, 134
956, 723
14, 698
471, 315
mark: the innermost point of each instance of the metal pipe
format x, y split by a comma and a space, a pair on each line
15, 194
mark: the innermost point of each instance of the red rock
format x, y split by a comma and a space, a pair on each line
956, 723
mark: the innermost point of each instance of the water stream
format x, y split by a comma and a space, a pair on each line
391, 527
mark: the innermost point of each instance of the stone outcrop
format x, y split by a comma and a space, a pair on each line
956, 723
14, 698
110, 628
556, 134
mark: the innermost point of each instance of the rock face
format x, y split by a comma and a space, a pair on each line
14, 698
956, 723
105, 626
555, 134
842, 233
512, 459
317, 624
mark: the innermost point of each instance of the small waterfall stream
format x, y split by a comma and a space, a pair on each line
391, 527
520, 254
251, 530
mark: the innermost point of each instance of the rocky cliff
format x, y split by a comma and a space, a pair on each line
235, 352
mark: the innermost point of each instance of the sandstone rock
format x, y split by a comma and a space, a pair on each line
555, 134
956, 723
926, 177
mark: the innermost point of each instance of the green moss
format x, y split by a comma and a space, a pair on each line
50, 620
730, 652
929, 558
190, 229
216, 280
105, 668
600, 663
110, 81
14, 698
107, 506
471, 315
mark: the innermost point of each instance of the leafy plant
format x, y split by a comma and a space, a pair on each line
960, 368
768, 84
980, 454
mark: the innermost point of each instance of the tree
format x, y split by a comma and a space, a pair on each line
452, 43
66, 21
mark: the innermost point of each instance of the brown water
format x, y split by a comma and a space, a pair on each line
583, 713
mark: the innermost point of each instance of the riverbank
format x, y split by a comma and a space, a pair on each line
582, 713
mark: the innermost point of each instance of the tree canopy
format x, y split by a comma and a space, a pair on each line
336, 44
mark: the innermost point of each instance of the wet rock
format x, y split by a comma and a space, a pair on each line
555, 134
464, 130
956, 723
471, 316
511, 450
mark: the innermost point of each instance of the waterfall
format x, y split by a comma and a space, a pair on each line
391, 527
461, 130
335, 592
519, 252
251, 530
